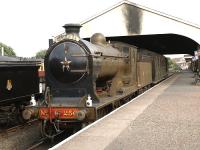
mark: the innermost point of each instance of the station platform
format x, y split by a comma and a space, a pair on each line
165, 117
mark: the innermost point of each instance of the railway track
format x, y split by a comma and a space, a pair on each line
17, 127
45, 143
37, 144
21, 136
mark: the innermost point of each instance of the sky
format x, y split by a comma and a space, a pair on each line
26, 25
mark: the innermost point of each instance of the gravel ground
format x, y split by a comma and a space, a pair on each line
171, 122
20, 139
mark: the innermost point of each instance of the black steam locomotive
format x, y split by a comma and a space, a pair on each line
86, 80
19, 82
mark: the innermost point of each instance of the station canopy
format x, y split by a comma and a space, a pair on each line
161, 43
145, 28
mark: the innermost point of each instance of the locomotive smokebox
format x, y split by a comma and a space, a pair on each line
72, 31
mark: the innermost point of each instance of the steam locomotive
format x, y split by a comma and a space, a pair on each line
86, 80
19, 82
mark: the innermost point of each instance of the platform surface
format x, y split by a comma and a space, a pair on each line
165, 117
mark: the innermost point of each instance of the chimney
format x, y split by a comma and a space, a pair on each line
72, 31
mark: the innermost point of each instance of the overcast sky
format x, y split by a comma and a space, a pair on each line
26, 25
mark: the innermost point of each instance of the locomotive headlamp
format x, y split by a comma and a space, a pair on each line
89, 101
32, 101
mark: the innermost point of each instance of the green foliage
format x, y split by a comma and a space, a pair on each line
41, 54
8, 51
170, 62
172, 65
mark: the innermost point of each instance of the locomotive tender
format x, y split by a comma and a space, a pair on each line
19, 82
86, 80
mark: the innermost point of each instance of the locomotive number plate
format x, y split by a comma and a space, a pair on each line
58, 113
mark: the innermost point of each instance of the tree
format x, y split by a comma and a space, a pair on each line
172, 65
41, 54
170, 62
8, 51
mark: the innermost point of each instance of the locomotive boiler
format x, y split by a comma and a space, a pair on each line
86, 80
